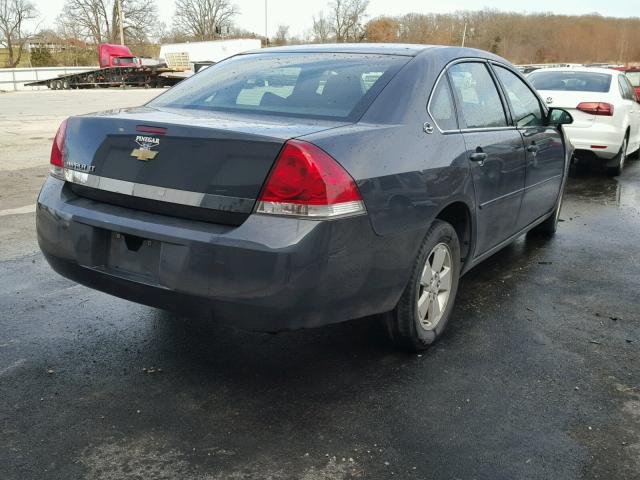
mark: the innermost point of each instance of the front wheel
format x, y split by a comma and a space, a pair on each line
427, 301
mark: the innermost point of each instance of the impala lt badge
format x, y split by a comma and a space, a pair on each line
145, 152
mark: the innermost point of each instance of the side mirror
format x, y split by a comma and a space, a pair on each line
559, 116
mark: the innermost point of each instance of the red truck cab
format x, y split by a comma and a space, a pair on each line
110, 55
633, 74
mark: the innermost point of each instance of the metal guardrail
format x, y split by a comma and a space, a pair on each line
13, 79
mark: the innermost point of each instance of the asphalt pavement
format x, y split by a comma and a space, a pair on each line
537, 376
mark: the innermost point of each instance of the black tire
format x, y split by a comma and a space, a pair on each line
65, 84
549, 227
404, 326
620, 159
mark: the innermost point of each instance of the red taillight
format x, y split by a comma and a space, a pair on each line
57, 151
596, 108
306, 181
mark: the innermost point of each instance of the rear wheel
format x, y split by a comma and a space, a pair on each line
619, 160
426, 304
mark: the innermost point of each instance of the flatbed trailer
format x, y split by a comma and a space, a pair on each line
113, 77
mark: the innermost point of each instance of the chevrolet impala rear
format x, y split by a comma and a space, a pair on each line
213, 200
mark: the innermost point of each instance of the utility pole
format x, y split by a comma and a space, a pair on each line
266, 32
464, 34
121, 22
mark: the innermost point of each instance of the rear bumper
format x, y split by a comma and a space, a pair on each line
584, 139
270, 273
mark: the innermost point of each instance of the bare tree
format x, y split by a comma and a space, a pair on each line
282, 33
13, 16
321, 29
204, 19
347, 17
98, 20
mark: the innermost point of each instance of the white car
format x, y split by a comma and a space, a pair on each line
605, 110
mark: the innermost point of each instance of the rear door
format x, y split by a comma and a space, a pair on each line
544, 148
495, 152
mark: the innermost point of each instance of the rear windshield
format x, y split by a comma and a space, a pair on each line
312, 85
570, 81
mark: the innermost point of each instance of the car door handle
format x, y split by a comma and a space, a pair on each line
533, 148
478, 157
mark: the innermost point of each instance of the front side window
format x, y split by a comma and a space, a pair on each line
311, 85
124, 60
441, 107
477, 96
525, 105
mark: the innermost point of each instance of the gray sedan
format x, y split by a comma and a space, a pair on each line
300, 186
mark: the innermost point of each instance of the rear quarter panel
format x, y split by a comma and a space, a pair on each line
405, 176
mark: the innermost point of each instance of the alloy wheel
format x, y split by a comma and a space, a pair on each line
434, 287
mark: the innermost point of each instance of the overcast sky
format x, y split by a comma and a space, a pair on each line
297, 13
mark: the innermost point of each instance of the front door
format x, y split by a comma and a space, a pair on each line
495, 152
545, 151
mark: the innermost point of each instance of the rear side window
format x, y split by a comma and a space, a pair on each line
477, 96
441, 106
571, 81
313, 85
632, 90
524, 103
625, 88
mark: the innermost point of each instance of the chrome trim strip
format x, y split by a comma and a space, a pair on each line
541, 182
515, 192
161, 194
486, 61
501, 197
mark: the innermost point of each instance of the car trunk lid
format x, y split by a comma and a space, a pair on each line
183, 163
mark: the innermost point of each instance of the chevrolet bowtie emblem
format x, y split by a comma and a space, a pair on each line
144, 153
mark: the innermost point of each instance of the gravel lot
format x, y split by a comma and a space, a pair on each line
538, 376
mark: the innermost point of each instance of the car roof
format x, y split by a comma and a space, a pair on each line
372, 48
608, 71
405, 49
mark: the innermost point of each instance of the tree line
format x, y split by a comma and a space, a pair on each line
521, 38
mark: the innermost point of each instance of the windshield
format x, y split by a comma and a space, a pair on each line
312, 85
570, 81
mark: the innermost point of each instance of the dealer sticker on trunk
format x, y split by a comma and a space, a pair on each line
145, 151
